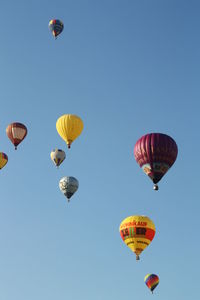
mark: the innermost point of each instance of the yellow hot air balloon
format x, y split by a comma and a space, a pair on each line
69, 128
3, 160
137, 232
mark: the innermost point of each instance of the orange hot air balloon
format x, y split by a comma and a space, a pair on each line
137, 232
16, 132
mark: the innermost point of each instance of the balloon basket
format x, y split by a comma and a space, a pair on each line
155, 187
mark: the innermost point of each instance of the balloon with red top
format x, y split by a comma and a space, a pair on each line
16, 132
155, 153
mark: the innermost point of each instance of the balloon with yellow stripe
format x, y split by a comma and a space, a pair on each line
69, 128
3, 160
151, 280
57, 156
137, 232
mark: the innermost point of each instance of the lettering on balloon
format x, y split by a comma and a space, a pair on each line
141, 231
132, 232
142, 242
133, 223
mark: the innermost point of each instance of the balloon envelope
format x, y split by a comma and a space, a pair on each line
69, 128
57, 156
3, 160
137, 232
56, 27
155, 153
151, 280
16, 132
68, 186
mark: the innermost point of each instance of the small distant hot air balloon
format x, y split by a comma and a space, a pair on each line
151, 280
56, 27
16, 132
3, 160
69, 128
57, 156
137, 232
68, 186
155, 153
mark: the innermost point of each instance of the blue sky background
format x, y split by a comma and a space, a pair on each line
126, 68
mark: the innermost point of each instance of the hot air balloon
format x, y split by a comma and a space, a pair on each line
155, 153
69, 128
3, 160
16, 133
57, 156
56, 27
137, 232
68, 186
151, 280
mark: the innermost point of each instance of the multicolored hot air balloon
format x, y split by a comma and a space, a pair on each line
151, 280
69, 128
56, 27
68, 186
137, 232
155, 153
57, 156
16, 132
3, 160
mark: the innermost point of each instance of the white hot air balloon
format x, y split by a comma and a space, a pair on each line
57, 156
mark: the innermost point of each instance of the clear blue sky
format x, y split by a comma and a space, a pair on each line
126, 68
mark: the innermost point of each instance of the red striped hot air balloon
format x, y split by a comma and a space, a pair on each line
151, 280
155, 153
16, 132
